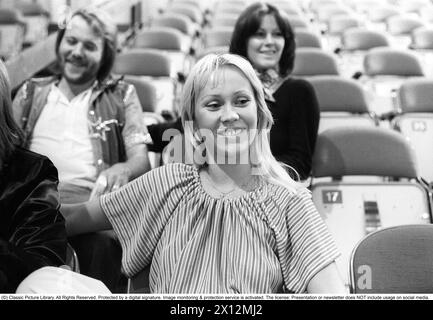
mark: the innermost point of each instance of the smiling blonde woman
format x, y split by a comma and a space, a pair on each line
219, 227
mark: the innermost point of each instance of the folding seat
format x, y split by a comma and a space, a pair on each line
325, 13
313, 62
315, 5
377, 16
289, 8
336, 27
401, 27
422, 43
156, 66
12, 30
415, 121
170, 40
342, 102
386, 69
217, 37
363, 6
362, 39
150, 91
297, 22
217, 49
224, 20
224, 8
355, 42
394, 260
422, 38
413, 6
307, 39
36, 19
374, 184
189, 10
176, 21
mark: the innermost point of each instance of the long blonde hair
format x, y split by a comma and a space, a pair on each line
200, 74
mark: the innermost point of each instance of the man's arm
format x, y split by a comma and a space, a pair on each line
135, 136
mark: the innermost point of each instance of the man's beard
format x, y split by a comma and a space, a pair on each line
89, 74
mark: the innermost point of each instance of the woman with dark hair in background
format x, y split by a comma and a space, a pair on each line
32, 230
264, 36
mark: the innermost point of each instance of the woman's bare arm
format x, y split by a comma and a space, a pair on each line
84, 217
327, 280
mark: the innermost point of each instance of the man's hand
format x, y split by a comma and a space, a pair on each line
111, 179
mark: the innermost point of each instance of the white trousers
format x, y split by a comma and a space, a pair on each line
52, 280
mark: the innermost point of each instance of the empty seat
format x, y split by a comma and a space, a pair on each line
176, 21
224, 20
422, 38
12, 29
297, 22
355, 206
361, 39
342, 102
355, 42
171, 40
217, 37
154, 65
313, 62
387, 68
382, 13
36, 19
403, 25
307, 39
394, 260
189, 10
338, 24
415, 121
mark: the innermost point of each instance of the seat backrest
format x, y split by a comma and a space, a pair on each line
381, 14
415, 122
394, 260
338, 94
363, 151
403, 25
327, 12
416, 95
217, 37
217, 50
363, 39
297, 22
146, 92
155, 65
392, 62
163, 38
224, 20
12, 28
338, 24
314, 62
422, 38
176, 21
190, 11
341, 101
143, 62
307, 39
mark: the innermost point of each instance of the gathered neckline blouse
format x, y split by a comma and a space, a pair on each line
267, 240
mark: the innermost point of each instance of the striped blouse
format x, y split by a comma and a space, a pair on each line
263, 241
